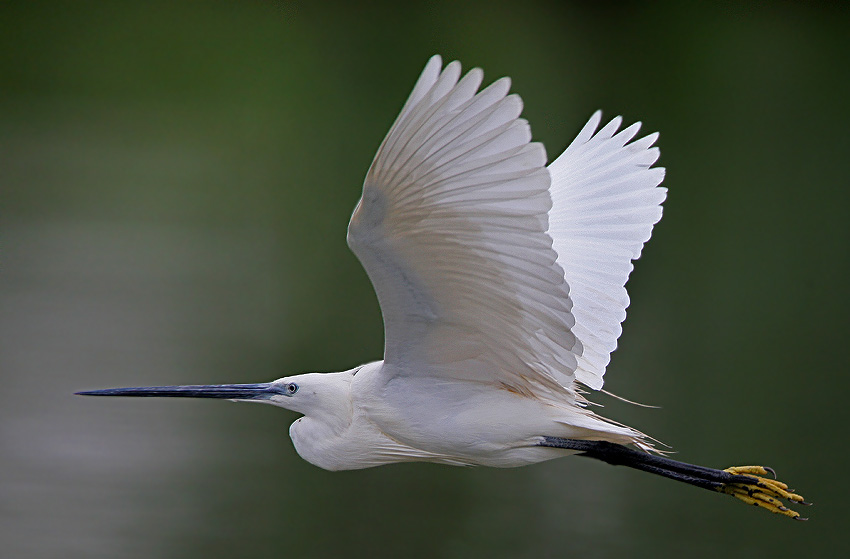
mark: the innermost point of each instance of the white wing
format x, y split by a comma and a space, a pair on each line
451, 229
605, 200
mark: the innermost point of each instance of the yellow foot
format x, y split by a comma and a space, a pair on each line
761, 491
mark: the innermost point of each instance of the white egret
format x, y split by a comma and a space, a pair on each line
501, 283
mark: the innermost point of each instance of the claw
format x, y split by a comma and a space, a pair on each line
760, 491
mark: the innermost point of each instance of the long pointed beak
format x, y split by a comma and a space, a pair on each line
260, 391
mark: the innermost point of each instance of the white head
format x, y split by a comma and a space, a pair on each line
325, 395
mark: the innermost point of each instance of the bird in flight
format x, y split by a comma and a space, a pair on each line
501, 284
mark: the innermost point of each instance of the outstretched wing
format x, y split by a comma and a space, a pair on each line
605, 200
451, 229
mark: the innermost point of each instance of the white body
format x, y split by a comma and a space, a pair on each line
362, 420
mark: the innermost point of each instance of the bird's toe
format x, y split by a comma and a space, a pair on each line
763, 492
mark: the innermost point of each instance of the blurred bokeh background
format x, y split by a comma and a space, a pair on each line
175, 185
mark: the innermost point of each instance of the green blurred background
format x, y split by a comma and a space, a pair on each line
175, 185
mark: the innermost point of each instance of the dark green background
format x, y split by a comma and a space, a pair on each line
175, 185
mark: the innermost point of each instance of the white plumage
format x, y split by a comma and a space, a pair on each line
605, 201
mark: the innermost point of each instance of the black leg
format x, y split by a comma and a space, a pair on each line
619, 455
743, 483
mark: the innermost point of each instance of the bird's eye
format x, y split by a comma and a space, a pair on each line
291, 388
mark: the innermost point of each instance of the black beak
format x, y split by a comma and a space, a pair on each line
260, 391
